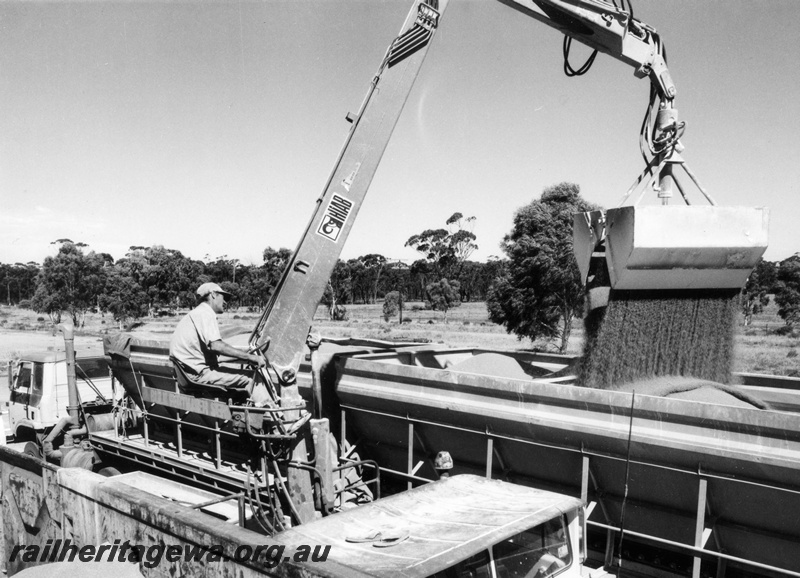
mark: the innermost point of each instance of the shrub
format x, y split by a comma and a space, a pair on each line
443, 295
391, 305
24, 304
340, 313
786, 330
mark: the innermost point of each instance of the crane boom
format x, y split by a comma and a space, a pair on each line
608, 28
287, 317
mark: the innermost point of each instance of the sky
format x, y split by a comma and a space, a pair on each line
211, 127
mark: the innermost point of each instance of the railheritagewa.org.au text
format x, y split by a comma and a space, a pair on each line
153, 555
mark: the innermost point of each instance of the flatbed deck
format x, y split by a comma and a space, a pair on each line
199, 467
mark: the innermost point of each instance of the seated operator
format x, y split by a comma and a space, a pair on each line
196, 344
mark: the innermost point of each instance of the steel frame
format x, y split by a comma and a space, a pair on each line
703, 521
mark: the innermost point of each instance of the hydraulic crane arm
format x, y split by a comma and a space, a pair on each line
287, 317
608, 28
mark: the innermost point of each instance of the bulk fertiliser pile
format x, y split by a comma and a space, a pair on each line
645, 334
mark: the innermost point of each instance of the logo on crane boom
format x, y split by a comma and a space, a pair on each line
335, 217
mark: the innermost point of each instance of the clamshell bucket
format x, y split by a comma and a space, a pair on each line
684, 247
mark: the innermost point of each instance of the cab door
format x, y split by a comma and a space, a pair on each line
26, 392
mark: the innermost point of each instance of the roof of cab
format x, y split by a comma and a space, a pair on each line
43, 356
447, 521
50, 356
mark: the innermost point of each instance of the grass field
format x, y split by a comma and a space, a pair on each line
759, 349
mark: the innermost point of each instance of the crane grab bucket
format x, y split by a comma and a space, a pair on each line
676, 247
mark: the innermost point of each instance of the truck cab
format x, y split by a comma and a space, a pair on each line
457, 527
38, 390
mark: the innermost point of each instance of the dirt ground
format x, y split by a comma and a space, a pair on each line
23, 330
758, 348
12, 343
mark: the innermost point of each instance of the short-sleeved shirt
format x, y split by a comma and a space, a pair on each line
191, 342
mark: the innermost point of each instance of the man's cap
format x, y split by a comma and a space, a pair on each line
207, 288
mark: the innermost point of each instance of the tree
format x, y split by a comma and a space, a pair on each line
476, 278
396, 282
167, 277
18, 279
446, 249
540, 291
755, 293
443, 295
123, 297
420, 274
431, 244
338, 291
70, 281
392, 305
50, 303
462, 239
275, 261
255, 288
259, 283
373, 267
787, 290
232, 302
493, 269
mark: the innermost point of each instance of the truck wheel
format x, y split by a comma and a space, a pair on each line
33, 449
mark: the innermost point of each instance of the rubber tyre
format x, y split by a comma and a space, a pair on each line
33, 449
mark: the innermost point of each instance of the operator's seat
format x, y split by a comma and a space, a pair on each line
189, 386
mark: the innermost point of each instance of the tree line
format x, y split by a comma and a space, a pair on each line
779, 280
154, 281
535, 290
147, 281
